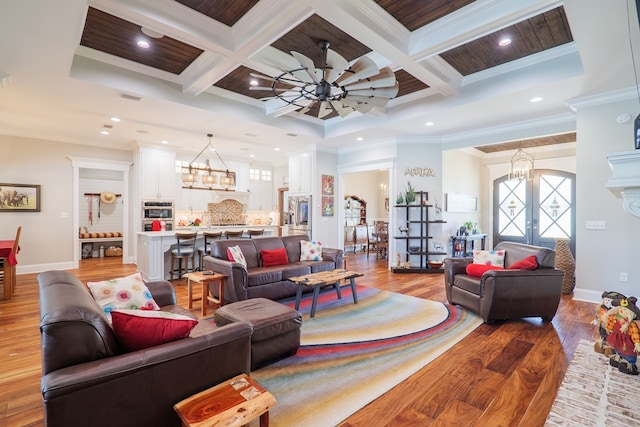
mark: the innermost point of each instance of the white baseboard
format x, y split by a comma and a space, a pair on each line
587, 295
39, 268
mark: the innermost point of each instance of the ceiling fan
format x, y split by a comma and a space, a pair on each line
334, 84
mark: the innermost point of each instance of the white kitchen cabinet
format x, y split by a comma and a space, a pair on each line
261, 196
157, 174
300, 172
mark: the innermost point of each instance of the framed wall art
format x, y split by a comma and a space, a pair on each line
327, 205
461, 203
19, 198
327, 185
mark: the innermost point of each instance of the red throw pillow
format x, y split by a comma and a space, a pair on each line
138, 329
271, 257
528, 263
477, 270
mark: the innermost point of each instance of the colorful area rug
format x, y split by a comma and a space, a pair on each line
352, 354
593, 393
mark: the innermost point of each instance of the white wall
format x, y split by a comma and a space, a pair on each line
46, 241
325, 228
601, 255
464, 174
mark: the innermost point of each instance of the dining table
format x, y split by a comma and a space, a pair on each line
9, 262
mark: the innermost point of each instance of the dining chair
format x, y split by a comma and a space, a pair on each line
185, 249
205, 249
8, 271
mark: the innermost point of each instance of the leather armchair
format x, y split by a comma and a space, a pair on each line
507, 294
87, 379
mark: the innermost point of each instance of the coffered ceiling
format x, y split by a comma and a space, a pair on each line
78, 64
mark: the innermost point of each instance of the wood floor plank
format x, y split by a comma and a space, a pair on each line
458, 388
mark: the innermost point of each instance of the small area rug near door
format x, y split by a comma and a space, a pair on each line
352, 354
593, 393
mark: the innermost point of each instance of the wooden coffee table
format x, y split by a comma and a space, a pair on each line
204, 280
325, 278
233, 403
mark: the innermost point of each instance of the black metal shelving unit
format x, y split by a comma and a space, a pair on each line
417, 236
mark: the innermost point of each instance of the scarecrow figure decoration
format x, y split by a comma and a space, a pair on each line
600, 345
623, 334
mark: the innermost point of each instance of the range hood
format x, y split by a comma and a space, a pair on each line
625, 179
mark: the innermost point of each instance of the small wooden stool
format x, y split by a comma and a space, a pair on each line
204, 280
233, 403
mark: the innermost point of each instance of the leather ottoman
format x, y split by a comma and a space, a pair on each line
276, 328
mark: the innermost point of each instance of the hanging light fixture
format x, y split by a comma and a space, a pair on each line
333, 86
521, 166
209, 177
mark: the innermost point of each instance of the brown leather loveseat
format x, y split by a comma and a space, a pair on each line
88, 380
257, 281
507, 294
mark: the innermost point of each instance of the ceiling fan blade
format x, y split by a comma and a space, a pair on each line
337, 65
361, 69
371, 100
381, 92
385, 78
304, 110
308, 64
360, 107
342, 109
325, 109
278, 89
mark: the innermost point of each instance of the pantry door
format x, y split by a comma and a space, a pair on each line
535, 212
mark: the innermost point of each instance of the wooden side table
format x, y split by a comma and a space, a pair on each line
235, 402
205, 280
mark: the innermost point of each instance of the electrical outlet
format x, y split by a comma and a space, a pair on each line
624, 277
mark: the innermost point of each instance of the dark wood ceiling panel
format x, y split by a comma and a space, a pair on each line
225, 11
529, 143
414, 14
528, 37
305, 37
238, 81
408, 83
115, 36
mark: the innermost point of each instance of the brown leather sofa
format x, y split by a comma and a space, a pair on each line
88, 380
507, 294
257, 281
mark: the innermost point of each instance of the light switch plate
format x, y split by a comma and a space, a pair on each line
596, 225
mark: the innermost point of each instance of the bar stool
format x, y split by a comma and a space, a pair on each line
255, 233
234, 234
185, 249
206, 248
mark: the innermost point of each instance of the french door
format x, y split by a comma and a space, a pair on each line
535, 212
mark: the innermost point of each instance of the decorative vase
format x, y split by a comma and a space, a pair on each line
566, 263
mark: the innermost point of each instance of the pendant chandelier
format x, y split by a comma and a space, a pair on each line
521, 166
210, 177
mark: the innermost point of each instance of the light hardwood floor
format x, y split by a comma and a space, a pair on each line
501, 375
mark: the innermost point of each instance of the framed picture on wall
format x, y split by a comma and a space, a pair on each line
327, 206
327, 185
19, 198
461, 203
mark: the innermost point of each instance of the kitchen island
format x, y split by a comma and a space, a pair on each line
153, 248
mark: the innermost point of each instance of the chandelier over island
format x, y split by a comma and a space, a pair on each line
212, 179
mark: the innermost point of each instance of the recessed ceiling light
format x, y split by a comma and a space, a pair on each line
165, 142
536, 99
429, 124
115, 119
252, 155
143, 44
104, 132
253, 82
277, 148
504, 42
359, 138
